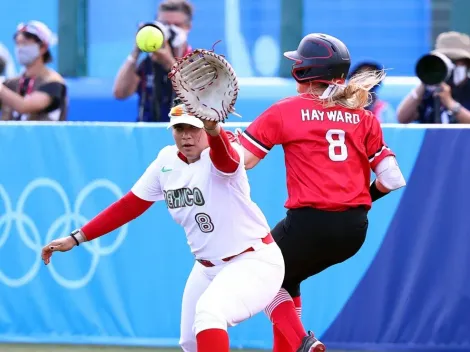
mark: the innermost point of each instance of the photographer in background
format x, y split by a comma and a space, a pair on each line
39, 93
150, 77
443, 95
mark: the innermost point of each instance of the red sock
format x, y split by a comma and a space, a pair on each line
280, 342
298, 306
212, 340
286, 322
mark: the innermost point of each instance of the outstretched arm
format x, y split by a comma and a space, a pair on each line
144, 193
223, 155
116, 215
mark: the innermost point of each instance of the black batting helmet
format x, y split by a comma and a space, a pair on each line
320, 57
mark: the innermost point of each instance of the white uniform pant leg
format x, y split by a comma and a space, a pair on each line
243, 288
195, 286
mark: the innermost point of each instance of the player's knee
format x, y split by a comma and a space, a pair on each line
209, 315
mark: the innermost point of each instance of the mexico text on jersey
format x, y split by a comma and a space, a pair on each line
214, 208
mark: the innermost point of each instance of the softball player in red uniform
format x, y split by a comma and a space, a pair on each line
330, 143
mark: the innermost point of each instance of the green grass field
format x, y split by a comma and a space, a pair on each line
69, 348
94, 348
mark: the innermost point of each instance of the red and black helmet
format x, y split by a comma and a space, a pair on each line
320, 57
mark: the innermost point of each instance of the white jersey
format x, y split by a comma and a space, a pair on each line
215, 209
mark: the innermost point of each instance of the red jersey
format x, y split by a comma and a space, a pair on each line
329, 152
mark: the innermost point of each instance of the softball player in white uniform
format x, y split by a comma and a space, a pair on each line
238, 268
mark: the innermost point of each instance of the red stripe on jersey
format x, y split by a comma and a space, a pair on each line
224, 157
381, 154
116, 215
251, 145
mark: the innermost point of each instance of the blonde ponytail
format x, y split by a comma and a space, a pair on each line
356, 93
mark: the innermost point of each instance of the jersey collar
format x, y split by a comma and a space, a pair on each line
182, 157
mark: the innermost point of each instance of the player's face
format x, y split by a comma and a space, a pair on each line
190, 140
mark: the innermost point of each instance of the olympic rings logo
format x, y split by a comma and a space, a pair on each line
71, 219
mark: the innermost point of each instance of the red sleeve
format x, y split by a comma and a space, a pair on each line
224, 157
117, 214
376, 148
264, 132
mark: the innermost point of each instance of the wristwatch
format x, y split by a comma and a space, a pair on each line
78, 236
455, 109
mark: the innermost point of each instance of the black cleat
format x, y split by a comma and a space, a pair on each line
311, 344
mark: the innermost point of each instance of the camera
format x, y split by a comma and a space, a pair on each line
175, 36
434, 68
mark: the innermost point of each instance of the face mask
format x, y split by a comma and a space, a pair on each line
175, 35
460, 74
26, 54
179, 36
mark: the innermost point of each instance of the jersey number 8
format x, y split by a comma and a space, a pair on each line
337, 150
204, 222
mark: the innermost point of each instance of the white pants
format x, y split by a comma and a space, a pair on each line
227, 294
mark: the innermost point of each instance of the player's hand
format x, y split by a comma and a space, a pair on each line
63, 244
445, 95
210, 125
164, 56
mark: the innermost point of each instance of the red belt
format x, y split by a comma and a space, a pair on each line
208, 264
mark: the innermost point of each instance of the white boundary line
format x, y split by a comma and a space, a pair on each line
279, 81
4, 124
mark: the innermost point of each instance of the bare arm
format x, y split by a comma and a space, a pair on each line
6, 113
251, 160
36, 101
463, 116
408, 109
127, 80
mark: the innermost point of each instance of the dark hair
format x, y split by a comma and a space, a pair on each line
182, 6
47, 56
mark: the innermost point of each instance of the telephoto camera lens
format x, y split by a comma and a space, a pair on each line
434, 68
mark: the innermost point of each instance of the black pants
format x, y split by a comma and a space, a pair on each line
312, 240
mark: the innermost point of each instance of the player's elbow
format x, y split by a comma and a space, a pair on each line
389, 175
250, 164
250, 160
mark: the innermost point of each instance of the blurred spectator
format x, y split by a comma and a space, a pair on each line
39, 93
150, 78
381, 109
9, 69
3, 65
451, 99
